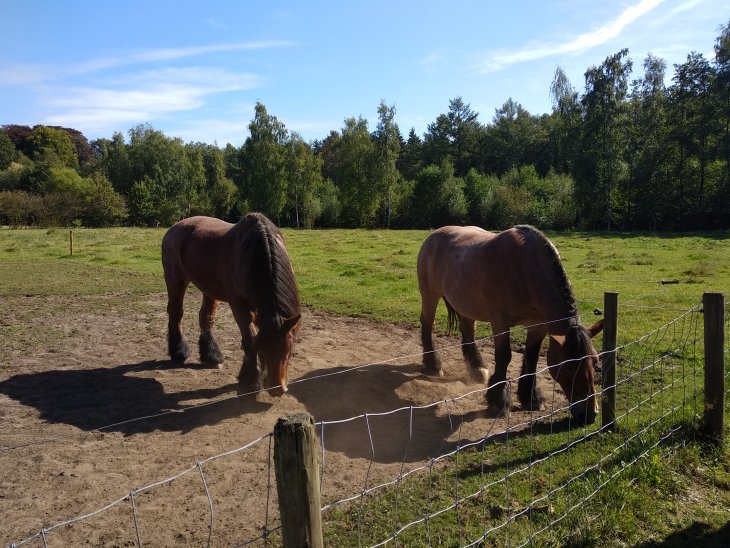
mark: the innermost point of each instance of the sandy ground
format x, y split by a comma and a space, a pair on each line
72, 441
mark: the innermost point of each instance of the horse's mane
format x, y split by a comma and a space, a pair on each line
271, 268
561, 278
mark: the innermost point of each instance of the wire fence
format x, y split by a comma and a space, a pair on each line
442, 472
513, 486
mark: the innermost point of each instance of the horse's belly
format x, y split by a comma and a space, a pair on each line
472, 308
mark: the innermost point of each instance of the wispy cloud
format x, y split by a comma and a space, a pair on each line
140, 97
169, 54
596, 37
30, 74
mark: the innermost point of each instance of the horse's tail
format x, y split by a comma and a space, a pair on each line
452, 319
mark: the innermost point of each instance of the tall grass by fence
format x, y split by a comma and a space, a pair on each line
511, 484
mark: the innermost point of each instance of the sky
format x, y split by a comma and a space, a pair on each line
196, 69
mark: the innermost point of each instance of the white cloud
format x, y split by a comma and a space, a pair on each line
168, 54
30, 75
141, 97
596, 37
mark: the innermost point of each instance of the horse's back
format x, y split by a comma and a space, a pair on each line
445, 251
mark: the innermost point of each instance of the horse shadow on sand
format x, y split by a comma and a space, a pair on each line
395, 429
115, 400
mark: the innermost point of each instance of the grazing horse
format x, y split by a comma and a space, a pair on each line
511, 278
246, 265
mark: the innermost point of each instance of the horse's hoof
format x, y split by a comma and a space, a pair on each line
431, 372
212, 364
478, 376
533, 406
179, 356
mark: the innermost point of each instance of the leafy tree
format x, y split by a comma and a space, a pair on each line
20, 136
603, 142
693, 113
722, 64
352, 173
162, 167
103, 206
567, 119
220, 190
304, 171
7, 151
385, 157
410, 161
438, 197
455, 135
648, 151
55, 145
64, 179
263, 159
196, 198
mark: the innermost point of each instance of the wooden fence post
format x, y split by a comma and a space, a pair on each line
71, 242
608, 360
297, 481
713, 305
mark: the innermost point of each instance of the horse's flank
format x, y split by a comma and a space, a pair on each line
485, 276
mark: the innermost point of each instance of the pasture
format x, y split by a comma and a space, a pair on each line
83, 353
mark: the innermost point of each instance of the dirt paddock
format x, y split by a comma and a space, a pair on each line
78, 376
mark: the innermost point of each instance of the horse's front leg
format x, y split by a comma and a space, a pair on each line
177, 346
248, 376
527, 389
499, 397
210, 352
477, 371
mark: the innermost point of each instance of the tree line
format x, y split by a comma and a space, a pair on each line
625, 153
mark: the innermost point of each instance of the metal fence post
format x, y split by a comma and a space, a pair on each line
713, 305
297, 481
608, 360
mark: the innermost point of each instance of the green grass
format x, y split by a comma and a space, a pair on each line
372, 274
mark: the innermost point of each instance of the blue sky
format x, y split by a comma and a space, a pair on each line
195, 70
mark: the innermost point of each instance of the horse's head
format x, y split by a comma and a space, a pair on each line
572, 360
274, 343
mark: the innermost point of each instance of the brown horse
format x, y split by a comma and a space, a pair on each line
511, 278
246, 265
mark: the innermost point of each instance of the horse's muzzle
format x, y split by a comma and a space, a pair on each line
277, 390
583, 414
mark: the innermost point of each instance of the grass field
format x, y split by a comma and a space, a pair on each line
372, 274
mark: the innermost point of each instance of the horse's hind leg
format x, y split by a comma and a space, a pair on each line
431, 360
473, 357
177, 346
527, 389
210, 353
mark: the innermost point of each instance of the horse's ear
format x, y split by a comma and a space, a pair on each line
596, 328
291, 322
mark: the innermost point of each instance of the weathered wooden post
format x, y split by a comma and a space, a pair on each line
297, 481
608, 360
71, 241
714, 312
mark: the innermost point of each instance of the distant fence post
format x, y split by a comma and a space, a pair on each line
608, 360
297, 481
713, 305
71, 242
